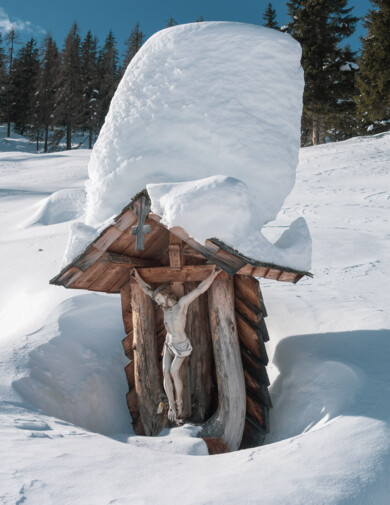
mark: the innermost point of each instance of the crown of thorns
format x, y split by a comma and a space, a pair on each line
158, 290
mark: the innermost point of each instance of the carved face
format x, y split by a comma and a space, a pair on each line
164, 299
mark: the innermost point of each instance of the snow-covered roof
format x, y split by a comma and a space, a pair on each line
105, 263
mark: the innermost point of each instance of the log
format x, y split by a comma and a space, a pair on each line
148, 387
229, 419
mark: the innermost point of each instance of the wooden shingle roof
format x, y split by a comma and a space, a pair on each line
105, 264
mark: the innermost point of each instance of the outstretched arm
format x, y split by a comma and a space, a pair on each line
203, 286
141, 283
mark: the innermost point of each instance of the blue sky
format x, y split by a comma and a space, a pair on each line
36, 17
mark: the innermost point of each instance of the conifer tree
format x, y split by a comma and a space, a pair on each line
24, 86
133, 44
269, 17
47, 88
108, 75
69, 92
171, 22
341, 121
320, 26
12, 39
3, 80
90, 93
373, 82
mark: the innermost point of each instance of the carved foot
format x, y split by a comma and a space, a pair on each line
171, 414
180, 410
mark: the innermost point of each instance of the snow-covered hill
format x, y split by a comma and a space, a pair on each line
65, 430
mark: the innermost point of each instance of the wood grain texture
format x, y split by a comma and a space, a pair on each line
188, 273
125, 219
148, 387
252, 332
132, 405
201, 360
252, 338
129, 261
229, 419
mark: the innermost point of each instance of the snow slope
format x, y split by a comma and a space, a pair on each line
65, 431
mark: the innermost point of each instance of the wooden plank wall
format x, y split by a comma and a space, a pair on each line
252, 332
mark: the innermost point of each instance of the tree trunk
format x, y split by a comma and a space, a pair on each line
229, 419
46, 138
318, 133
148, 387
90, 139
68, 137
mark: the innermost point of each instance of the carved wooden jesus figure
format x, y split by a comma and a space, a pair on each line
177, 345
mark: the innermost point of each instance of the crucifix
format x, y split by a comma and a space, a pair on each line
141, 211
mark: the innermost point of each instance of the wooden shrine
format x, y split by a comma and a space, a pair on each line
225, 378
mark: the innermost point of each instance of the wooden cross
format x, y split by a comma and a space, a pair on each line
141, 210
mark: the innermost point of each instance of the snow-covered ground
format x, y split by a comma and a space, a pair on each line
65, 430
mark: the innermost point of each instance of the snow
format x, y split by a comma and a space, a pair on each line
197, 101
219, 206
65, 429
183, 111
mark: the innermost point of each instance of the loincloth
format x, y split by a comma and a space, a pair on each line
181, 350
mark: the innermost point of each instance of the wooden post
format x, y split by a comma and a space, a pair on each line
148, 387
229, 419
201, 359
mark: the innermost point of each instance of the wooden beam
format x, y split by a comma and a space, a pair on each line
189, 251
188, 273
148, 386
229, 419
122, 259
201, 359
174, 256
176, 263
126, 307
125, 220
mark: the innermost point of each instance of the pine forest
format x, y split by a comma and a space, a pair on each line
59, 97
